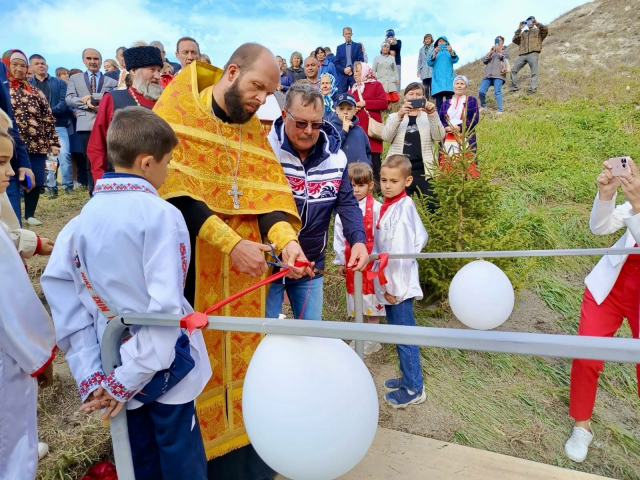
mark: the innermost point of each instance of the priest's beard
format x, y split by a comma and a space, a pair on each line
233, 102
149, 90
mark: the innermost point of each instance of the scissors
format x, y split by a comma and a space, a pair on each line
276, 262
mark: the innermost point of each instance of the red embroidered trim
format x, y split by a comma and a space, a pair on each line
121, 187
116, 389
46, 364
90, 383
185, 264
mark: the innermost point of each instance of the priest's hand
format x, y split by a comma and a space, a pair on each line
291, 253
248, 257
359, 257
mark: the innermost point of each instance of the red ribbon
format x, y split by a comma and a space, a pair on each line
200, 320
384, 261
387, 203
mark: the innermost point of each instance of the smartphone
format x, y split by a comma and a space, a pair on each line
26, 183
418, 102
497, 41
619, 166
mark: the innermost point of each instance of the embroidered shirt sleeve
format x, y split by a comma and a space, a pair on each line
116, 388
90, 383
281, 234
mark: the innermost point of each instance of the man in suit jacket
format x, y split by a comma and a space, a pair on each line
84, 93
347, 54
20, 162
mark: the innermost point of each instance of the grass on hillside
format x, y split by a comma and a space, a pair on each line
547, 155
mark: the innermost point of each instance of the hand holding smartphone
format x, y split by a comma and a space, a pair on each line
418, 102
619, 166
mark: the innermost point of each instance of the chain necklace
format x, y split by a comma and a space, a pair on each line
234, 192
134, 96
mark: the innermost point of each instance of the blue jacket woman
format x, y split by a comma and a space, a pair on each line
442, 60
326, 66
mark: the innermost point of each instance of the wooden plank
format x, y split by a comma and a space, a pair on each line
396, 455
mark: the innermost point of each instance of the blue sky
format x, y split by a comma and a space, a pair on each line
59, 30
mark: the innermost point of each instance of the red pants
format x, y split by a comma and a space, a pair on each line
603, 320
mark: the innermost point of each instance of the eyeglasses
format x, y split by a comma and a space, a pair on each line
302, 124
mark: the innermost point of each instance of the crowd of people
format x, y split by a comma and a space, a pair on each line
185, 187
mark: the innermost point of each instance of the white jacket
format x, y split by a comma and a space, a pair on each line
431, 132
606, 218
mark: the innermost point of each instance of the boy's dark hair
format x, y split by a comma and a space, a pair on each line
400, 162
36, 56
135, 131
360, 173
414, 86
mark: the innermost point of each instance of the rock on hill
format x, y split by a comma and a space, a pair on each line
593, 43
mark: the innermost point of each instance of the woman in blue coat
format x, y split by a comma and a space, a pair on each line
442, 61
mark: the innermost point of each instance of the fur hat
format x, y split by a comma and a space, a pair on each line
138, 57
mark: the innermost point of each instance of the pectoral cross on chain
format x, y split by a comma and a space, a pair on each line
235, 193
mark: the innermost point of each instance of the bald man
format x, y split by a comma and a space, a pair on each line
311, 67
233, 194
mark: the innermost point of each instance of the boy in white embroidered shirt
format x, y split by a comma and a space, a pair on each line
400, 230
134, 248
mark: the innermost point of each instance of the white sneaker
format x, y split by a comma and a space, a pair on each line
499, 112
577, 447
482, 109
43, 450
371, 348
34, 222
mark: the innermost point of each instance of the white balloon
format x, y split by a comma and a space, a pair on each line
310, 406
481, 295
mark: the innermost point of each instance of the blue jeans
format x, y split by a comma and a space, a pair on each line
64, 158
497, 88
299, 293
13, 192
409, 355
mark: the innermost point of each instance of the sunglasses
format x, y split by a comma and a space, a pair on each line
302, 124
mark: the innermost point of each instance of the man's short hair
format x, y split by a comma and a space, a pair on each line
327, 50
347, 28
400, 162
120, 48
91, 48
157, 44
307, 93
36, 56
136, 131
245, 56
186, 39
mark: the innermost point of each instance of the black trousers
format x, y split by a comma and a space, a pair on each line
376, 163
84, 168
421, 186
427, 87
441, 97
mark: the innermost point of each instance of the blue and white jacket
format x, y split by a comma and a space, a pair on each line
320, 185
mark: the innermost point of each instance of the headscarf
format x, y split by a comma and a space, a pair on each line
463, 78
328, 99
366, 76
13, 81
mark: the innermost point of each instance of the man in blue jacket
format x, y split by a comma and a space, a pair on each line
347, 54
309, 151
55, 90
20, 161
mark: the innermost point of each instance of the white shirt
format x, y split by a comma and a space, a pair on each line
401, 231
135, 249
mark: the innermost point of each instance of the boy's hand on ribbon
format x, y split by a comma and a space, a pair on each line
359, 257
342, 270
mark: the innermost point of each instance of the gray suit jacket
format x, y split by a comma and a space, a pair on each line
79, 87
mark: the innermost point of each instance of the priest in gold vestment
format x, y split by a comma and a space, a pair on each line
229, 186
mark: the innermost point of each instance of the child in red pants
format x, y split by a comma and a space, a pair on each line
612, 294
